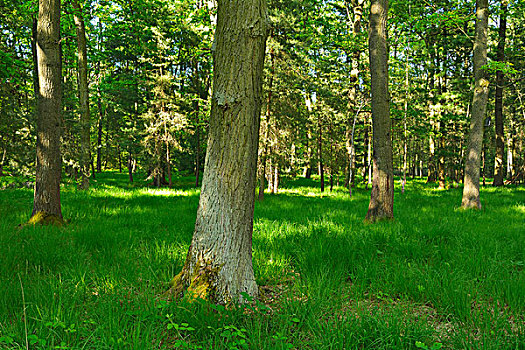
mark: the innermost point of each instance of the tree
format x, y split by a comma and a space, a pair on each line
85, 118
219, 262
46, 206
479, 104
498, 104
382, 197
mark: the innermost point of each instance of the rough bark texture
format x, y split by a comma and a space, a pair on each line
46, 205
85, 117
498, 110
219, 262
382, 198
479, 104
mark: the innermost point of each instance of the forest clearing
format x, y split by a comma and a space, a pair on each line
328, 280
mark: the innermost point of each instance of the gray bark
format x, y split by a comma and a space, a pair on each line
46, 205
382, 197
219, 262
479, 104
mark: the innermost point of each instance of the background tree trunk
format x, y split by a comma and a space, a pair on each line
498, 103
219, 262
46, 205
382, 197
479, 104
85, 117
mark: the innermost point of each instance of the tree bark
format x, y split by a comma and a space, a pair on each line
479, 104
198, 145
85, 116
320, 150
382, 197
46, 205
498, 103
219, 262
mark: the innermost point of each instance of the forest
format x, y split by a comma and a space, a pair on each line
262, 174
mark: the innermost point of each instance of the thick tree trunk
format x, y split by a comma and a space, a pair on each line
85, 116
498, 103
198, 145
219, 262
46, 205
479, 104
382, 197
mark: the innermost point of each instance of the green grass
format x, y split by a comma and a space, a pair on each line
437, 274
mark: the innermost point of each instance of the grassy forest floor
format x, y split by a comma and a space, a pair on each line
436, 275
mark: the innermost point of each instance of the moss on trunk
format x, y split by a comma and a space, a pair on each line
43, 218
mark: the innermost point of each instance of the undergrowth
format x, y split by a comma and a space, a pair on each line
436, 277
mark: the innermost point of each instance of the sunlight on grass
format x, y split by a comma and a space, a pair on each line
435, 274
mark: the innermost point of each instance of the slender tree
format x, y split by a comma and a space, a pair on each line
479, 104
498, 103
219, 262
46, 205
382, 197
85, 117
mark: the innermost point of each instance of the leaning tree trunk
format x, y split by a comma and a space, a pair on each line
479, 105
85, 117
498, 103
219, 262
382, 197
46, 205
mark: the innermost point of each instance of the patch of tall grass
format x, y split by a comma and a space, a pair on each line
435, 275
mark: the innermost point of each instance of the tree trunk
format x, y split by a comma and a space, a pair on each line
130, 167
46, 205
498, 103
479, 104
85, 117
320, 150
382, 197
99, 135
219, 262
198, 145
405, 137
308, 167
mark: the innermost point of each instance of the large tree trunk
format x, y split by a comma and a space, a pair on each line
198, 145
382, 197
85, 117
46, 205
498, 103
479, 105
219, 262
